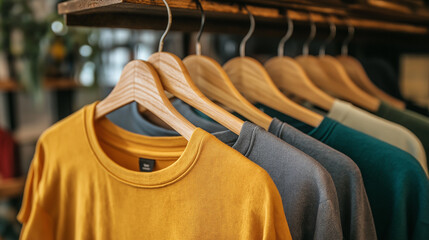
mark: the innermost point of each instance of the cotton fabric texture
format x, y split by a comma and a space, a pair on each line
356, 216
308, 192
377, 127
396, 184
355, 213
85, 183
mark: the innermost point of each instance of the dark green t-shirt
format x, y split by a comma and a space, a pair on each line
396, 184
416, 123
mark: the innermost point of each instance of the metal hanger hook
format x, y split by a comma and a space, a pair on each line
351, 34
167, 29
332, 33
249, 34
305, 47
281, 47
200, 32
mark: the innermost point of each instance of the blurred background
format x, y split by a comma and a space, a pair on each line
49, 70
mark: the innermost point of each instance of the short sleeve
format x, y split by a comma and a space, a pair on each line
36, 221
328, 223
274, 219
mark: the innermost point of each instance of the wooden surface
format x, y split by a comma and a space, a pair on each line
253, 81
140, 82
176, 80
11, 187
48, 83
226, 17
328, 74
289, 76
9, 85
60, 83
358, 75
213, 81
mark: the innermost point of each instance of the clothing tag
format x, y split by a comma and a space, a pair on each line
146, 165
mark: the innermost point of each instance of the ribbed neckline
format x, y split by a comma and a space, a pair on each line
159, 147
339, 110
324, 130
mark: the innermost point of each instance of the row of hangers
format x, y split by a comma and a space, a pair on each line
198, 79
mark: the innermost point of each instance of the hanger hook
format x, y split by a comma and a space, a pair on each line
167, 29
351, 34
332, 33
305, 47
249, 34
281, 47
200, 32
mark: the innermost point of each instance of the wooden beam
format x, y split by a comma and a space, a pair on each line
9, 85
60, 83
151, 14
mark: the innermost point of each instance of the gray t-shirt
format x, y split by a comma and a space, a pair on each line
356, 217
308, 192
129, 118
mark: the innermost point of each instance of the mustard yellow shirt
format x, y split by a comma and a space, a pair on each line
85, 183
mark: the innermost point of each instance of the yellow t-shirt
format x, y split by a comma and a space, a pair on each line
85, 183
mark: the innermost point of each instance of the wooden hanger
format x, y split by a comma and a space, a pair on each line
253, 81
213, 81
335, 80
358, 75
289, 76
139, 82
176, 80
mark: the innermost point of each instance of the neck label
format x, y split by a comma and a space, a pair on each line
146, 165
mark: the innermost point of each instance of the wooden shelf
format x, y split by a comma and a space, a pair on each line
11, 187
9, 85
48, 83
231, 18
60, 84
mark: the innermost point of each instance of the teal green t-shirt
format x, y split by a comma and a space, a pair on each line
416, 123
396, 184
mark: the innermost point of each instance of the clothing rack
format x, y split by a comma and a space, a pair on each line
230, 17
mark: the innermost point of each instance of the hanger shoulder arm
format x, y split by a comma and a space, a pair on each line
358, 75
345, 87
252, 80
289, 76
213, 81
176, 80
139, 82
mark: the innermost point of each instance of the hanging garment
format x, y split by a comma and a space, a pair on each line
7, 155
90, 181
129, 118
396, 184
392, 133
415, 122
355, 213
309, 197
356, 216
415, 107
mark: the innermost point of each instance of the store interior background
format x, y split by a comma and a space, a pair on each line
59, 69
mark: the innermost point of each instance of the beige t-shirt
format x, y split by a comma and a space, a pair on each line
377, 127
